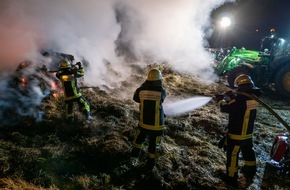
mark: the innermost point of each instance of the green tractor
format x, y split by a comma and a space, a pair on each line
265, 67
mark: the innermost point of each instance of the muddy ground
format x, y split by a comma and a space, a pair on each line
54, 155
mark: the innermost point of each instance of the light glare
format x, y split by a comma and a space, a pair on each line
225, 22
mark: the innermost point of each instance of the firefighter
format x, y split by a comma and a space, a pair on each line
242, 114
150, 96
68, 77
269, 41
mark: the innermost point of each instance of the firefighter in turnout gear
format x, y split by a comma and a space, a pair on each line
68, 77
150, 96
269, 41
242, 115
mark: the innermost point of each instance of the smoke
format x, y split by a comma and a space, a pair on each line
168, 31
109, 33
162, 31
20, 95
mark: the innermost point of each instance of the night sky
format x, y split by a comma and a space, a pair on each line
253, 19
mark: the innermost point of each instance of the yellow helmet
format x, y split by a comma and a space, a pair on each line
272, 30
154, 74
243, 79
64, 64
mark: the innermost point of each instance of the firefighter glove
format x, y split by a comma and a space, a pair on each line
228, 93
222, 143
80, 65
218, 97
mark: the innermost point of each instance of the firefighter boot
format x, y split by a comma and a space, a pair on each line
88, 116
249, 172
232, 181
223, 143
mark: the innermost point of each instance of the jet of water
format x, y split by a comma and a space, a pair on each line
184, 106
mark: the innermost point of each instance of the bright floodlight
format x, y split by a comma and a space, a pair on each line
225, 22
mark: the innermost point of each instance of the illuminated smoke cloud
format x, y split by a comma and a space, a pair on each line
20, 95
149, 30
106, 33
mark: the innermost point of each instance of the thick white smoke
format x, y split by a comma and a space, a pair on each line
170, 31
107, 31
162, 30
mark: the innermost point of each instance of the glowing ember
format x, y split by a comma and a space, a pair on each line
23, 81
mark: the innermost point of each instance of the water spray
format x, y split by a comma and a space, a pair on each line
180, 107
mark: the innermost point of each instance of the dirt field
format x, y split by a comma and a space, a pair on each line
54, 155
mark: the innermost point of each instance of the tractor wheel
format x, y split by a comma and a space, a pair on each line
282, 81
235, 72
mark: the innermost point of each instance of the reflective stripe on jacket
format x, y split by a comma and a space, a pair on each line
151, 95
242, 114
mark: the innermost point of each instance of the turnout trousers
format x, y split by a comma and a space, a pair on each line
154, 140
84, 107
234, 147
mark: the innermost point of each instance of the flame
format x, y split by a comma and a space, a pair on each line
53, 85
23, 82
55, 94
56, 89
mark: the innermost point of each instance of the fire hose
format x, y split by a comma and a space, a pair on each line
267, 107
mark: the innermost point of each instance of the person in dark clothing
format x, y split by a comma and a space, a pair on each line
150, 96
242, 114
268, 42
68, 77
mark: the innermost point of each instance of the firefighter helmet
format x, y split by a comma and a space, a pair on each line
243, 79
272, 30
64, 64
154, 74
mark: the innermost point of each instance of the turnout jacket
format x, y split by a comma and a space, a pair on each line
242, 114
68, 78
150, 95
